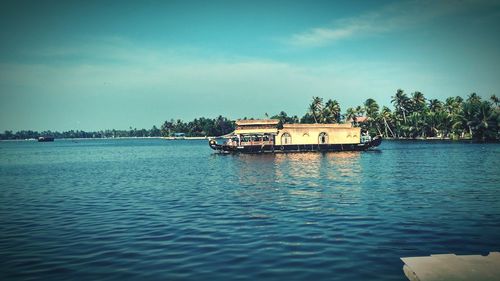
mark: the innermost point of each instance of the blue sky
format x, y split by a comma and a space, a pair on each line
94, 65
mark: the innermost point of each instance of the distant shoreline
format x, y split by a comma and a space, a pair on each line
79, 139
188, 138
213, 137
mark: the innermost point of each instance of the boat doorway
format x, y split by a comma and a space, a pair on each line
323, 138
286, 139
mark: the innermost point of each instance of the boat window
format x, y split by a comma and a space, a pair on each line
323, 138
286, 138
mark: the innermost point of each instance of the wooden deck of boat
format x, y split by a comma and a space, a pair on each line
452, 267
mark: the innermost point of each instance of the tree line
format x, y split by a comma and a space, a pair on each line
412, 116
113, 133
197, 128
415, 116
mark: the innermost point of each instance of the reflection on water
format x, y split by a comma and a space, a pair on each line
279, 178
297, 168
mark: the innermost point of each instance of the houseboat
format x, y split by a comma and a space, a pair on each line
265, 136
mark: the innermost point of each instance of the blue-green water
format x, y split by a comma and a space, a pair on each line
172, 210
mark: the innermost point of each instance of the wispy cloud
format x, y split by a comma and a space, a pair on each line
389, 18
165, 82
126, 83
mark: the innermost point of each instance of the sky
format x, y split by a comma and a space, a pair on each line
93, 65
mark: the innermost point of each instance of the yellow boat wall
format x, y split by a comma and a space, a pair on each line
310, 134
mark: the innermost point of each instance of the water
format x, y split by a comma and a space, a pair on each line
172, 210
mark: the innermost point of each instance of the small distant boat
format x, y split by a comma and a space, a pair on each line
179, 136
45, 139
261, 136
176, 136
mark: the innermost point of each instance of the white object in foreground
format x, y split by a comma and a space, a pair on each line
452, 267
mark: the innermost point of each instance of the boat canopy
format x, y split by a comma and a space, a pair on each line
256, 131
259, 127
257, 122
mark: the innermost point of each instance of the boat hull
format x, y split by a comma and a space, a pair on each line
293, 147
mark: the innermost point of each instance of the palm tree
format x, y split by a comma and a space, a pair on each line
371, 108
486, 121
416, 124
351, 114
469, 111
449, 104
386, 117
331, 112
435, 105
401, 102
166, 128
312, 111
418, 101
454, 108
360, 111
494, 100
481, 118
473, 98
438, 119
283, 117
316, 107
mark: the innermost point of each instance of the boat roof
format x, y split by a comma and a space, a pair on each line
272, 131
257, 122
339, 125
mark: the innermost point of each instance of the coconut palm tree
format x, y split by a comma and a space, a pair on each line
473, 98
416, 125
371, 108
284, 118
449, 104
453, 106
315, 108
351, 114
401, 103
486, 122
494, 100
166, 128
360, 111
435, 105
386, 118
469, 111
331, 112
417, 101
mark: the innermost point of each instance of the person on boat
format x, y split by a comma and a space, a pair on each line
365, 137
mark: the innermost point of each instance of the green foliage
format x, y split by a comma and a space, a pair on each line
199, 127
285, 119
417, 117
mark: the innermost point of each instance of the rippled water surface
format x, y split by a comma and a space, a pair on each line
151, 209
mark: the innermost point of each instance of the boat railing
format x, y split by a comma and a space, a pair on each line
243, 143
